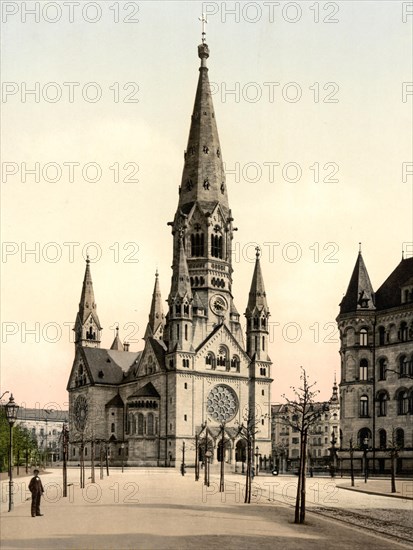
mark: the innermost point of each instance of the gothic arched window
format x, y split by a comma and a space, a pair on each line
403, 364
402, 402
400, 438
382, 368
197, 244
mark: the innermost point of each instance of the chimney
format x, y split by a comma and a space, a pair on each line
125, 346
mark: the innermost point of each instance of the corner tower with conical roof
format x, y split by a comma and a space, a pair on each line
87, 325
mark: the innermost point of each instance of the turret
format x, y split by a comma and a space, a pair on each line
257, 314
156, 324
180, 305
87, 326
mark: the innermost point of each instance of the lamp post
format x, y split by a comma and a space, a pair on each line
256, 460
333, 455
11, 414
365, 449
122, 451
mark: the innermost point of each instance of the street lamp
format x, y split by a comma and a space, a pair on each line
11, 414
256, 460
122, 449
365, 449
333, 454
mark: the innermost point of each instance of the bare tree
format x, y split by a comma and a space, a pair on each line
303, 413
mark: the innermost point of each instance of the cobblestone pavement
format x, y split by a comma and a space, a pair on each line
160, 509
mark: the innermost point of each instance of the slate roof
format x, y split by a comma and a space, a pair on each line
148, 390
108, 366
51, 415
389, 294
116, 401
359, 289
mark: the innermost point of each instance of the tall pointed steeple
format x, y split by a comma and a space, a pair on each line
360, 294
257, 314
203, 177
156, 323
87, 326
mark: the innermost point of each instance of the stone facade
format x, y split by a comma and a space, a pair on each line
376, 389
196, 374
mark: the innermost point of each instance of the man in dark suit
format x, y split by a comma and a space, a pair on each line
36, 489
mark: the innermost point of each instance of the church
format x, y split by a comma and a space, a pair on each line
198, 375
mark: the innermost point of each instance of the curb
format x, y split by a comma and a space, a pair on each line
374, 493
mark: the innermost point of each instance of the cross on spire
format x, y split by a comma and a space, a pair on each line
204, 21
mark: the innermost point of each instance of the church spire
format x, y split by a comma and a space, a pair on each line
87, 325
203, 177
360, 294
257, 299
334, 397
156, 321
257, 314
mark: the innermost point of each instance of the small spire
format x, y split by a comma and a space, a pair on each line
117, 344
156, 323
257, 252
359, 248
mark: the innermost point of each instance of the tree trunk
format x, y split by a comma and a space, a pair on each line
303, 479
300, 470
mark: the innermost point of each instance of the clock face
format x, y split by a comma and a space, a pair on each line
218, 304
81, 412
222, 403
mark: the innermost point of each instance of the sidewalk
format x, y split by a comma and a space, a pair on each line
404, 487
158, 509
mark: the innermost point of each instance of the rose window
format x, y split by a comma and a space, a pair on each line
222, 403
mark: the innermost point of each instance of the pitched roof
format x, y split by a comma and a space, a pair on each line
148, 390
360, 294
116, 401
389, 294
108, 366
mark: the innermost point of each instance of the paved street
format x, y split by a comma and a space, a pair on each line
158, 508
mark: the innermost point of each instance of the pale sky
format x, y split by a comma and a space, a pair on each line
304, 94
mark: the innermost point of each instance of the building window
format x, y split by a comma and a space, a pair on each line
235, 363
364, 406
363, 369
150, 424
186, 332
382, 336
185, 417
403, 331
216, 246
364, 437
363, 337
382, 369
382, 439
382, 404
210, 360
185, 386
402, 402
400, 438
140, 424
262, 392
197, 244
403, 364
222, 357
112, 427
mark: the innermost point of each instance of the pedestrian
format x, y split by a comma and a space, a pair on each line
252, 472
36, 489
